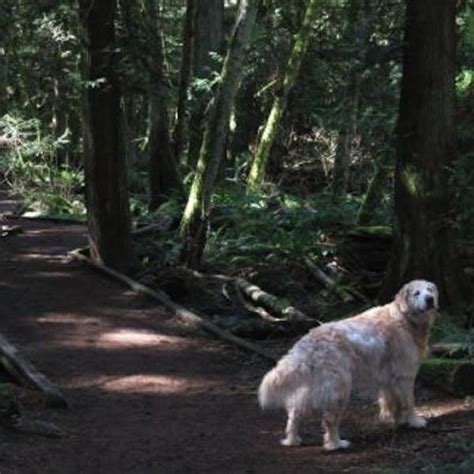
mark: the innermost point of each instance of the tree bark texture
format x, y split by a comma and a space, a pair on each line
185, 79
424, 189
208, 38
163, 171
104, 157
257, 170
195, 218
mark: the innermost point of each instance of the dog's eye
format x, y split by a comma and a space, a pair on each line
417, 293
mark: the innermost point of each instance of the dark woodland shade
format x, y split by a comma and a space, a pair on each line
104, 154
164, 178
424, 199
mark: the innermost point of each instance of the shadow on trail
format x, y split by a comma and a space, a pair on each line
145, 399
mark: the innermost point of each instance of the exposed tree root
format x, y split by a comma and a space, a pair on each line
22, 370
177, 309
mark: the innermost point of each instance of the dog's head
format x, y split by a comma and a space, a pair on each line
417, 296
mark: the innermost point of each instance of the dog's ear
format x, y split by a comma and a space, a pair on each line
401, 300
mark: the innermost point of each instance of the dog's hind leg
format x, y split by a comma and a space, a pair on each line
337, 397
332, 441
292, 438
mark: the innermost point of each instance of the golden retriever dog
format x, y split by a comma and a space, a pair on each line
380, 349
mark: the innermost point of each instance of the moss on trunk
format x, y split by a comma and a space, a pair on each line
257, 171
195, 219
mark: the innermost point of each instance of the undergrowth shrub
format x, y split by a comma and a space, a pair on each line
30, 166
273, 229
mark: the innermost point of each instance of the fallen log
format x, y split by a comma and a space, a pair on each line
7, 230
178, 310
327, 281
272, 303
45, 218
245, 288
455, 376
452, 350
23, 371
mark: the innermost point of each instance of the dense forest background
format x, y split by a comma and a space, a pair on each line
264, 139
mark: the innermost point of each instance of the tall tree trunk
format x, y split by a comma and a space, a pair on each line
104, 157
424, 189
184, 79
257, 170
130, 16
130, 154
361, 17
342, 160
195, 218
163, 171
209, 35
59, 121
3, 80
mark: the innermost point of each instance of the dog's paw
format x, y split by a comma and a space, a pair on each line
334, 445
291, 441
415, 421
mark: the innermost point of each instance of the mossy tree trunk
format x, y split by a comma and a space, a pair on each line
3, 80
424, 189
257, 170
208, 39
195, 218
104, 156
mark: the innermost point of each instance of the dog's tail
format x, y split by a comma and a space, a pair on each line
279, 386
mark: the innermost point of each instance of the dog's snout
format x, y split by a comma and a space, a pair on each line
429, 301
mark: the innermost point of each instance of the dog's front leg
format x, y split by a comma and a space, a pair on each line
404, 392
389, 406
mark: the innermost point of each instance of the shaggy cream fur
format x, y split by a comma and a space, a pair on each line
380, 349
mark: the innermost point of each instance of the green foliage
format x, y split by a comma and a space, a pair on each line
464, 81
30, 165
279, 229
467, 21
446, 331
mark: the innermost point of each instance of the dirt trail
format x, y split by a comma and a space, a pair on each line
149, 397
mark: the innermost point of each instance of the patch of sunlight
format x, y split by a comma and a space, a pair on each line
412, 181
59, 318
145, 383
43, 256
54, 274
442, 408
133, 337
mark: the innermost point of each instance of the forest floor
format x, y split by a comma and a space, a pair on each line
149, 395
